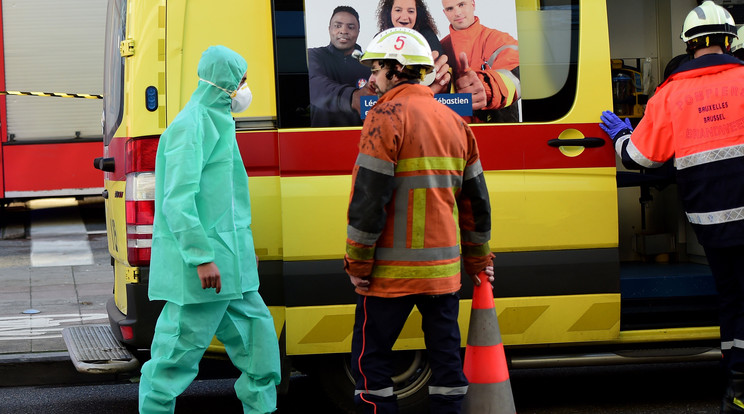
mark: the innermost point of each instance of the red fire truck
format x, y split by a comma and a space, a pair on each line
48, 142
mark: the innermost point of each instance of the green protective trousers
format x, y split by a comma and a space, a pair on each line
182, 335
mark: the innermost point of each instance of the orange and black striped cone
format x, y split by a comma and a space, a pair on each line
485, 367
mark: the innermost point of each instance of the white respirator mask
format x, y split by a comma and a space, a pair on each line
241, 97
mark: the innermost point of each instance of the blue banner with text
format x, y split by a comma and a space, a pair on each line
461, 103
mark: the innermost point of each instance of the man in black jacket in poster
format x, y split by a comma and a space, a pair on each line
337, 79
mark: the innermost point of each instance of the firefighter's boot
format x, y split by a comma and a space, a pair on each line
733, 399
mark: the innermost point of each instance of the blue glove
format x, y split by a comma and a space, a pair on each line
614, 126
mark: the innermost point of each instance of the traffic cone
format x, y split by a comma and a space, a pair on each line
485, 367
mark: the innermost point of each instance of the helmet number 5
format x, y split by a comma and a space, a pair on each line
400, 42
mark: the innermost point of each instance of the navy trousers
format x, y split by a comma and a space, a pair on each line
378, 323
727, 265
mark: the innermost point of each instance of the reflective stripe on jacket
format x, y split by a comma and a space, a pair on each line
418, 189
697, 117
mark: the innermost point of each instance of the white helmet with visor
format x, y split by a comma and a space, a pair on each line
406, 46
708, 19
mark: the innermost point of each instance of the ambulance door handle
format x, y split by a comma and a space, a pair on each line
104, 194
584, 142
104, 164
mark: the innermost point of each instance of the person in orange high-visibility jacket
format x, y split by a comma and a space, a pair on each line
418, 197
697, 118
485, 63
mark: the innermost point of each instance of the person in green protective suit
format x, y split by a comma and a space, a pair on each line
203, 261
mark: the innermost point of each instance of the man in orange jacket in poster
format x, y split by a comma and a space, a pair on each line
485, 63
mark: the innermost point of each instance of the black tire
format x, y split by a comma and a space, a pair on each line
412, 373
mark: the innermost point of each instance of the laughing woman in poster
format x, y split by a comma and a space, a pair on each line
413, 14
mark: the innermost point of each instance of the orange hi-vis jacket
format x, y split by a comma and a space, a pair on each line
697, 118
493, 55
418, 193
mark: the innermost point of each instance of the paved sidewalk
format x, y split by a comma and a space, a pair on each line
37, 302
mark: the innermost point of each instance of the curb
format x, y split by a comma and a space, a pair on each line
47, 368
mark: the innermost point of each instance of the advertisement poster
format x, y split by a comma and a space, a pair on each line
334, 77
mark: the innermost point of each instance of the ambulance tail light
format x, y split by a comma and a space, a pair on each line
140, 198
140, 155
140, 208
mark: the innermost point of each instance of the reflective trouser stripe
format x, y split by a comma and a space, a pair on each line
736, 343
448, 390
385, 392
716, 217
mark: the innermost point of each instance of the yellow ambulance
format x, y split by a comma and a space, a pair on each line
562, 290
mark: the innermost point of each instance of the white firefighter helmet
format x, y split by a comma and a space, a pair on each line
406, 46
738, 43
707, 19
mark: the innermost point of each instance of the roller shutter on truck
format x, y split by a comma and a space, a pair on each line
54, 46
57, 47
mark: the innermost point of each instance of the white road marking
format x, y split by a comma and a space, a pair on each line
13, 328
59, 241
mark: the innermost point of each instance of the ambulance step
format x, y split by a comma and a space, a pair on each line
94, 350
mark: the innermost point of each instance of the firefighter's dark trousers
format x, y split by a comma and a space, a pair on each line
727, 265
378, 323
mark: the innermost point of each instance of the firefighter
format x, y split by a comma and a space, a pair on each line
203, 261
695, 117
417, 185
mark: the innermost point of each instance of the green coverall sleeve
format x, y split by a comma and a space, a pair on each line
184, 160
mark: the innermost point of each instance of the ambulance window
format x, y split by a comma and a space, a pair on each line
548, 51
293, 98
113, 75
547, 31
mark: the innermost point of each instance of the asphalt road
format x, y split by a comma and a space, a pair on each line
216, 396
688, 388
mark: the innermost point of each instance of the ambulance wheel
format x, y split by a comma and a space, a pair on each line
412, 373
